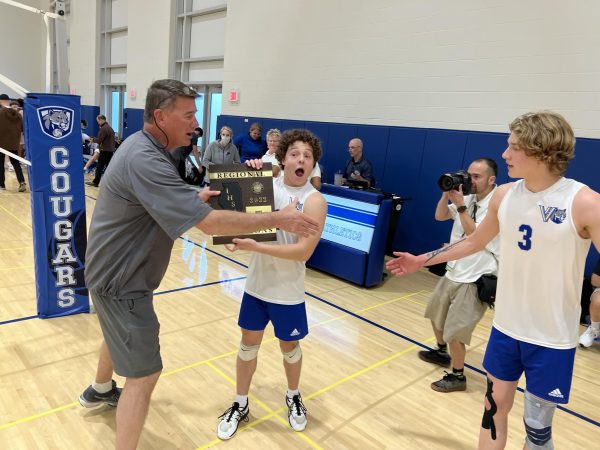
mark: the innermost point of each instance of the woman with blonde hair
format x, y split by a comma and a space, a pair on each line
221, 151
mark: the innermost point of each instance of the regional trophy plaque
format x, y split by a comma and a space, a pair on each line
243, 189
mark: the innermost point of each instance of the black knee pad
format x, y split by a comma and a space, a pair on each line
487, 422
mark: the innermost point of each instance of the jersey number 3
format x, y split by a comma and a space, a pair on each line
525, 243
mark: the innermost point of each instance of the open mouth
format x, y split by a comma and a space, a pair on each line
299, 172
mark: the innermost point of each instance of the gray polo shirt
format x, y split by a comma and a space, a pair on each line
142, 207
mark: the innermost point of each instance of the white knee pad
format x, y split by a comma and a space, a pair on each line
537, 418
248, 352
293, 356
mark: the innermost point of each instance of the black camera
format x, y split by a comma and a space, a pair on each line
450, 181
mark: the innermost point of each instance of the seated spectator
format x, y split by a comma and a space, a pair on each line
251, 145
273, 138
221, 151
358, 168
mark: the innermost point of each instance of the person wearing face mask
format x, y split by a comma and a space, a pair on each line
221, 151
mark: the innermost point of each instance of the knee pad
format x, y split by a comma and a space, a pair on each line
248, 352
293, 356
487, 421
537, 419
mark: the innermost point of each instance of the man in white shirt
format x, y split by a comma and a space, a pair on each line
454, 308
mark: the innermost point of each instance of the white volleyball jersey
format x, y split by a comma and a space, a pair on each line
278, 280
542, 261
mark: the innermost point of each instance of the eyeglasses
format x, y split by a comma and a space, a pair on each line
186, 91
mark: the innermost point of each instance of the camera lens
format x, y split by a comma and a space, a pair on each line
446, 182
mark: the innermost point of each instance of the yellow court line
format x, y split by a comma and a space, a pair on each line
387, 302
37, 416
15, 217
585, 366
270, 413
15, 248
365, 370
191, 366
200, 363
314, 394
17, 268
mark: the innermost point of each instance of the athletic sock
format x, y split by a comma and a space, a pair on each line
460, 373
595, 326
242, 400
102, 388
291, 392
442, 348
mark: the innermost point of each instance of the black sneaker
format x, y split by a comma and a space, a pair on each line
230, 420
436, 357
450, 383
2, 187
91, 183
91, 398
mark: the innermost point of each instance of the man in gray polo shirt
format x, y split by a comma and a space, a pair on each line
142, 207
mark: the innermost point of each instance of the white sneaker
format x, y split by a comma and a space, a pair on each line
230, 420
296, 412
587, 338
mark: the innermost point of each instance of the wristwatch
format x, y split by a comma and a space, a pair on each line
461, 209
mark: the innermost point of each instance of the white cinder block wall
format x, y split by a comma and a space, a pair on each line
462, 64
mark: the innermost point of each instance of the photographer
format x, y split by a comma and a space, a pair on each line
454, 308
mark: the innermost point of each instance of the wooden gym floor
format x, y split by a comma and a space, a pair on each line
362, 381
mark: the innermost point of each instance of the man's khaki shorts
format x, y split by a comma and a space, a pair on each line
455, 309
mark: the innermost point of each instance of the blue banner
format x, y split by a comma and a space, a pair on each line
53, 145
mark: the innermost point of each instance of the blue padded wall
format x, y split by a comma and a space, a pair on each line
487, 145
375, 144
133, 121
408, 162
89, 113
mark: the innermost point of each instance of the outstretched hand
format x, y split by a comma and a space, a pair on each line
292, 220
403, 264
205, 194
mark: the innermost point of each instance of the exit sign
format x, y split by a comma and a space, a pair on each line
234, 96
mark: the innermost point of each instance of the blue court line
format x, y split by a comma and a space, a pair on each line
198, 285
155, 294
402, 336
214, 252
412, 341
18, 320
364, 319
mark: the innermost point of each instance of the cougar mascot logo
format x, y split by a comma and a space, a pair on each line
56, 121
